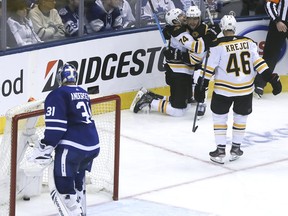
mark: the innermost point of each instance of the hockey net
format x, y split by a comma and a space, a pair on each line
20, 178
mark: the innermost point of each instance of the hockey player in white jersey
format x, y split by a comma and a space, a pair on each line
234, 61
198, 29
71, 132
178, 71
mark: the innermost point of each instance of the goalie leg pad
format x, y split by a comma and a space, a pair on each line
72, 203
67, 205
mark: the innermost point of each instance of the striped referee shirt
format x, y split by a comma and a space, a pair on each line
277, 10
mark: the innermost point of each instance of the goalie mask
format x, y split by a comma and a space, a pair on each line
67, 74
172, 16
228, 23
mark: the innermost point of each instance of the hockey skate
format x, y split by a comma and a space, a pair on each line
235, 152
152, 94
201, 109
144, 101
140, 93
218, 155
136, 99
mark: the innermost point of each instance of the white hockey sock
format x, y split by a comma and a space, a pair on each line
239, 127
220, 128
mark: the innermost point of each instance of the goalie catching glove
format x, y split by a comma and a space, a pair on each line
41, 154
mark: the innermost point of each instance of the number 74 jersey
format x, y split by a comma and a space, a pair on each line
68, 119
234, 61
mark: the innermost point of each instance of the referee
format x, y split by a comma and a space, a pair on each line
277, 10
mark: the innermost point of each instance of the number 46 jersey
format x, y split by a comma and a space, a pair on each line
234, 61
68, 119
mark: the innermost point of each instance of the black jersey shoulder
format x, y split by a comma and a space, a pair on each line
178, 30
199, 31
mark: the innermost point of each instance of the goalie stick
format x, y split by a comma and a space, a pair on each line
194, 128
157, 22
31, 181
82, 196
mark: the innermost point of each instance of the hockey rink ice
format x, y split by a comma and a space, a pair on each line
165, 168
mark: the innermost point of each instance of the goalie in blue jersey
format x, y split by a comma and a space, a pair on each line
71, 132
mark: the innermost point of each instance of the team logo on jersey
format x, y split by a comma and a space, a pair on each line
253, 33
195, 34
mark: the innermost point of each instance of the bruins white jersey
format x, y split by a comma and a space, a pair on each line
183, 41
234, 62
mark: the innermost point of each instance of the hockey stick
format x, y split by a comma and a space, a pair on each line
208, 12
82, 196
157, 22
194, 128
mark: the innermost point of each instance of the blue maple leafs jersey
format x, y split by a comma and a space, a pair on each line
101, 20
70, 20
68, 119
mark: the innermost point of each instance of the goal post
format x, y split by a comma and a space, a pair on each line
26, 125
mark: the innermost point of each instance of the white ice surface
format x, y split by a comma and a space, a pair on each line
165, 168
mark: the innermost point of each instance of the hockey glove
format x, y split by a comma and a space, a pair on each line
214, 29
169, 54
41, 154
211, 35
276, 84
199, 91
167, 30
